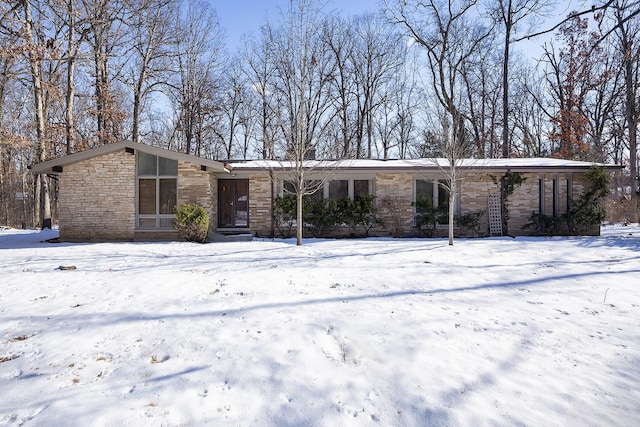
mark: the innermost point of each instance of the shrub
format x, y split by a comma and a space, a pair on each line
470, 222
192, 223
428, 216
360, 213
320, 216
544, 225
588, 211
584, 213
284, 215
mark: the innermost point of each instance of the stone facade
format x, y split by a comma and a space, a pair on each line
97, 198
394, 193
97, 193
394, 196
261, 190
105, 209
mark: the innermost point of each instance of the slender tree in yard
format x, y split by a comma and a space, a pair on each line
302, 69
444, 29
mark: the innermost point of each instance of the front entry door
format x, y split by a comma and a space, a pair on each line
233, 203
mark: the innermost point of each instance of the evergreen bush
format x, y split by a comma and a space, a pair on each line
192, 223
284, 215
428, 216
470, 222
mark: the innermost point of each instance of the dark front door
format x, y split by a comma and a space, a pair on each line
233, 203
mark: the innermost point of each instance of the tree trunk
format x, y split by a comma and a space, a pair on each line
43, 208
299, 219
452, 195
632, 122
71, 84
506, 149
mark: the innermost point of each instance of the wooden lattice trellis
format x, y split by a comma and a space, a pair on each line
495, 215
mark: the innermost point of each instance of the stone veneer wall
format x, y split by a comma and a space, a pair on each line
474, 196
97, 198
260, 206
195, 187
394, 195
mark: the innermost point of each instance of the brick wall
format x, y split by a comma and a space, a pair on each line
196, 187
260, 187
394, 195
97, 198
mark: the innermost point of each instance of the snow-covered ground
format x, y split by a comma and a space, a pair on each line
389, 332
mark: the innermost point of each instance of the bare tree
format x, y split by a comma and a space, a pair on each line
339, 39
450, 40
510, 14
235, 96
148, 64
377, 54
34, 51
626, 28
199, 59
573, 74
106, 31
260, 71
301, 88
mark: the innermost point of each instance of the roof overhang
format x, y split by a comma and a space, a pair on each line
56, 166
531, 165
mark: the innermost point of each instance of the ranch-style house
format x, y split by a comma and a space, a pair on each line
128, 191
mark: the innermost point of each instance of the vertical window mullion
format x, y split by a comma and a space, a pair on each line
435, 187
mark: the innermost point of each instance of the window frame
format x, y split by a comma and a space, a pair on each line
325, 190
157, 220
436, 189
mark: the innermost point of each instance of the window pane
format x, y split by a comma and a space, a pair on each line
147, 223
318, 195
166, 223
146, 164
443, 194
167, 167
288, 188
339, 189
168, 194
424, 195
147, 196
360, 188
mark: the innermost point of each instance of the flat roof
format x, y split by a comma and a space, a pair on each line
514, 164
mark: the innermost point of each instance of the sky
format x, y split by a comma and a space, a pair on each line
242, 17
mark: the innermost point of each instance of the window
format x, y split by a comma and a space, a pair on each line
157, 191
338, 189
361, 187
335, 189
432, 198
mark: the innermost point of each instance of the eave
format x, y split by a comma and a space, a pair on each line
56, 166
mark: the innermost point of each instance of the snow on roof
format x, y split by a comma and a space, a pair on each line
513, 163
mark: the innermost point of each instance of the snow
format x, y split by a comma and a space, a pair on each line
379, 164
389, 332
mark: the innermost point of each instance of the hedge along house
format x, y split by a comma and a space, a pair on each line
548, 187
128, 191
